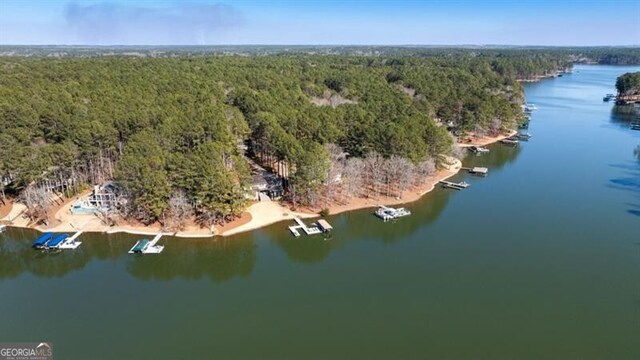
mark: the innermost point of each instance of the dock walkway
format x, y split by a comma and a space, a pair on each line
309, 230
455, 186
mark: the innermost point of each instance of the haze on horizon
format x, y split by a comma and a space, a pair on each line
331, 22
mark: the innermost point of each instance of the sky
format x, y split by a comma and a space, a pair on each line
317, 22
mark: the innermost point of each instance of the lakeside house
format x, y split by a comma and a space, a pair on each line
266, 185
104, 197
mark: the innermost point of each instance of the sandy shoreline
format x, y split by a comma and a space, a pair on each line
486, 140
256, 216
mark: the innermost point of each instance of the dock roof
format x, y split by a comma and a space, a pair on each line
324, 225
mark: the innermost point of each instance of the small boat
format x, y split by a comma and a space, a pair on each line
478, 149
509, 141
3, 228
41, 241
609, 97
529, 108
523, 136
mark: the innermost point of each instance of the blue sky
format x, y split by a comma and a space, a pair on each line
381, 22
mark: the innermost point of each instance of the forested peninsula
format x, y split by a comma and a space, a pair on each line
628, 86
182, 136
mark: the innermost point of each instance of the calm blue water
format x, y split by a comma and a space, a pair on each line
539, 260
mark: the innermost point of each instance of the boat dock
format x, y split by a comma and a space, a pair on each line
324, 225
146, 246
71, 243
478, 149
55, 241
455, 186
387, 213
481, 171
509, 142
42, 240
309, 230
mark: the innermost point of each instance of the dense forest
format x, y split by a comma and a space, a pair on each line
628, 84
175, 131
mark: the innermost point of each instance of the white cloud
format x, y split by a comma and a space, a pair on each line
180, 24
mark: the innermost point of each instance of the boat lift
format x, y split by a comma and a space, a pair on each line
145, 246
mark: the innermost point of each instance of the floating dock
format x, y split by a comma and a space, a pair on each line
387, 213
145, 246
70, 243
482, 171
478, 149
455, 186
309, 230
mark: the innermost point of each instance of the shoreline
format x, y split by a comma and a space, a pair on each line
261, 214
487, 140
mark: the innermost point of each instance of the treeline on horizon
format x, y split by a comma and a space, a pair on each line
604, 55
170, 130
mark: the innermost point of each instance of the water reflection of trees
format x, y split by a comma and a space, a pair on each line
217, 259
306, 249
630, 182
623, 115
17, 257
357, 226
363, 225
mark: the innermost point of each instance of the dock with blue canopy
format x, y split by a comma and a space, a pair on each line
55, 242
42, 240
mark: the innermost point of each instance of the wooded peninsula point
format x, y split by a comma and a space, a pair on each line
199, 142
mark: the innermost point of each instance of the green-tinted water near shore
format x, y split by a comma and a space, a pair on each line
541, 259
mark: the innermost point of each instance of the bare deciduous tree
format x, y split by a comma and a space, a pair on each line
495, 126
180, 210
423, 170
37, 201
458, 152
402, 171
374, 174
353, 176
337, 158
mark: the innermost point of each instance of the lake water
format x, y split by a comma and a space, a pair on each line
540, 259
